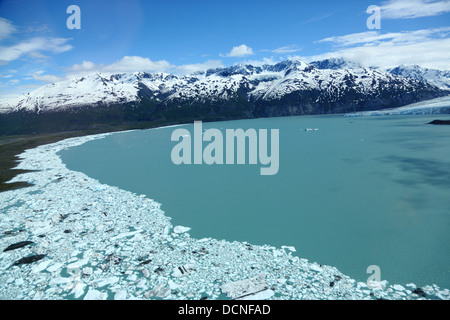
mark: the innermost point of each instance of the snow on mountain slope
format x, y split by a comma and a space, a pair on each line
336, 64
331, 79
92, 89
330, 82
272, 82
201, 87
438, 78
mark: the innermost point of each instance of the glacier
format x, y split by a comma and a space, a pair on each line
435, 106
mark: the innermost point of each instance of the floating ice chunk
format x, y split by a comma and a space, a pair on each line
54, 267
262, 295
248, 288
41, 266
182, 270
120, 295
78, 264
142, 284
315, 267
125, 234
59, 280
145, 272
95, 295
290, 248
107, 281
181, 229
361, 285
440, 296
87, 271
38, 295
173, 285
277, 253
177, 273
78, 289
43, 230
377, 285
160, 291
398, 287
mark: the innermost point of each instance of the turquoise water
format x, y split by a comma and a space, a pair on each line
358, 192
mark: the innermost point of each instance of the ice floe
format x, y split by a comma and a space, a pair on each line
181, 229
71, 237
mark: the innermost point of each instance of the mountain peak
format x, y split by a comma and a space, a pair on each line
436, 77
336, 64
288, 65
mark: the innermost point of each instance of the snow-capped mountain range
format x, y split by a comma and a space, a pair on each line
241, 91
331, 78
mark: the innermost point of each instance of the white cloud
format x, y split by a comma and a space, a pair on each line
124, 65
371, 37
33, 47
410, 9
127, 64
287, 49
6, 28
138, 64
14, 82
46, 78
135, 63
428, 48
192, 68
239, 51
263, 61
9, 91
85, 66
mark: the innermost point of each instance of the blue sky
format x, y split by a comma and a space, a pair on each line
37, 48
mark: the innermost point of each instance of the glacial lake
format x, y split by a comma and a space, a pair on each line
355, 193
